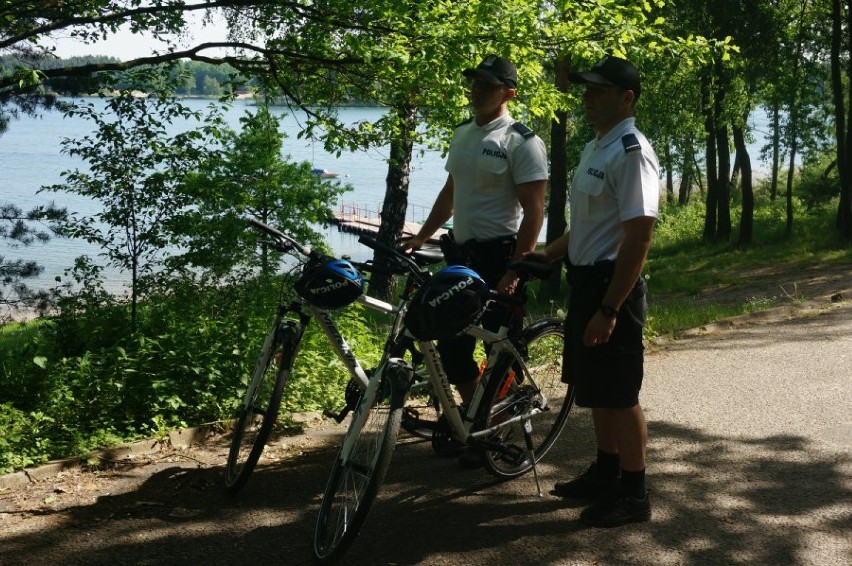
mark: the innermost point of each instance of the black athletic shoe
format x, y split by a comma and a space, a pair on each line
444, 443
471, 459
588, 485
620, 511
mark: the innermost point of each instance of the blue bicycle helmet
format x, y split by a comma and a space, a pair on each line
451, 301
331, 284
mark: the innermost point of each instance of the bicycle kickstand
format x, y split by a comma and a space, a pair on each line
531, 452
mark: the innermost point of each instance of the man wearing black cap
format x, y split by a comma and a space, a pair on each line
613, 208
497, 178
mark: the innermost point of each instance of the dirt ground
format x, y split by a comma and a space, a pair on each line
173, 484
41, 503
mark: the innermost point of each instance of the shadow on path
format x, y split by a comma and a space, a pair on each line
774, 500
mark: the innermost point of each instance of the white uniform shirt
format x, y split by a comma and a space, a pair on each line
486, 163
614, 182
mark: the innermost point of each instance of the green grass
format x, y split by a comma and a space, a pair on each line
681, 266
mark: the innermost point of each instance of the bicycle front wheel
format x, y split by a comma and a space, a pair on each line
260, 409
355, 479
512, 450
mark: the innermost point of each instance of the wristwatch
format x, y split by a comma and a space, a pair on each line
608, 311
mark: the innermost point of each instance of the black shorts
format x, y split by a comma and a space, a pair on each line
609, 375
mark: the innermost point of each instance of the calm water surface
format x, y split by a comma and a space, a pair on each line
30, 158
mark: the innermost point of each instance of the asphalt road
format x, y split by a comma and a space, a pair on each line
749, 463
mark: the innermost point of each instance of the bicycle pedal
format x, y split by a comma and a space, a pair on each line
338, 417
513, 455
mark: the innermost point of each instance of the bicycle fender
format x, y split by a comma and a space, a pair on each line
543, 322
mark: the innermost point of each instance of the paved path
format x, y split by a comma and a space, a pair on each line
749, 463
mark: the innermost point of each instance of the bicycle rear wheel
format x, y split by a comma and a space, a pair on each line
353, 484
260, 409
508, 454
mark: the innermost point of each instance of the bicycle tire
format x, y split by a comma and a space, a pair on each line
352, 487
263, 401
541, 346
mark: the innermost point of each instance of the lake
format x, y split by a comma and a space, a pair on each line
30, 158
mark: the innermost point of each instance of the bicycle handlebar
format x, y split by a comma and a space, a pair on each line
283, 239
404, 261
532, 269
506, 298
526, 271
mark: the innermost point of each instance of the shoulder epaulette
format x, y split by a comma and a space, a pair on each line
523, 130
463, 123
630, 142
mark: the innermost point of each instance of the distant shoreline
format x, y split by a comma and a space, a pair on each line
242, 97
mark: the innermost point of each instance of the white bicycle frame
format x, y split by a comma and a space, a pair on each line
460, 424
339, 343
331, 331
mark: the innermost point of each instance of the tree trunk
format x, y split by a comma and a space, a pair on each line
735, 173
686, 174
794, 102
710, 157
556, 206
696, 172
743, 158
723, 188
776, 149
670, 196
844, 144
396, 197
794, 146
684, 188
134, 292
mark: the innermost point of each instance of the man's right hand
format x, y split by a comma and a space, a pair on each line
412, 244
538, 256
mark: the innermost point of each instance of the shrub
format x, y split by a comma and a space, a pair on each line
188, 364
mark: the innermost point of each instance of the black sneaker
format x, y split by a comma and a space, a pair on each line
588, 485
444, 443
471, 459
620, 511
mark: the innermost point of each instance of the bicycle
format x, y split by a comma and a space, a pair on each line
313, 299
520, 385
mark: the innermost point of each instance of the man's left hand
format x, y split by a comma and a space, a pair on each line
508, 283
598, 330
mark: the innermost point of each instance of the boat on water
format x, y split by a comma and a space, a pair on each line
325, 173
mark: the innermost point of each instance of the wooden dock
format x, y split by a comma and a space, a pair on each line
357, 220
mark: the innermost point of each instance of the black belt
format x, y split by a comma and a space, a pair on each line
597, 273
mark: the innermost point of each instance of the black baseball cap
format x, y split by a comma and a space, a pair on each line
495, 70
611, 71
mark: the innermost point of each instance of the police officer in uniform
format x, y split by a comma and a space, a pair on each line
495, 191
613, 208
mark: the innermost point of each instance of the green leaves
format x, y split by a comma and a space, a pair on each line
195, 347
136, 167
